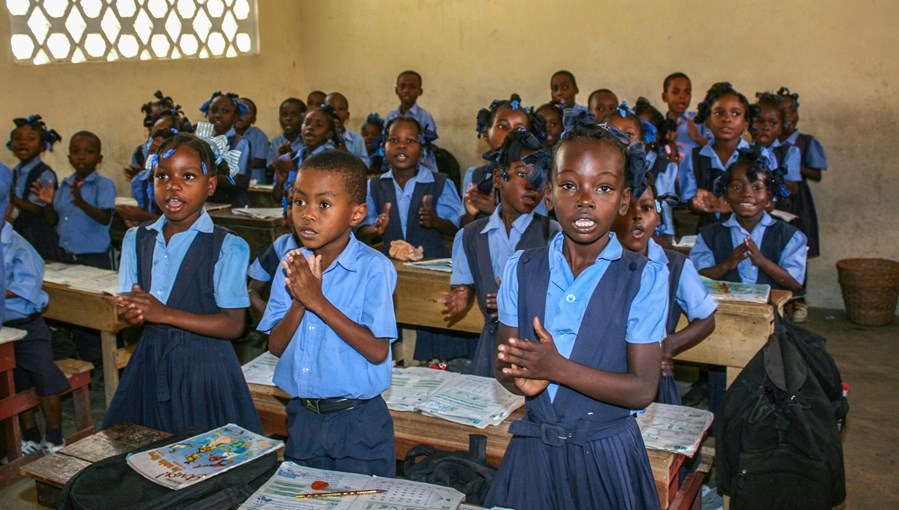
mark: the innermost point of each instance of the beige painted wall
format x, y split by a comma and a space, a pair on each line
837, 54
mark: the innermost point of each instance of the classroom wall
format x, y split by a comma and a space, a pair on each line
836, 54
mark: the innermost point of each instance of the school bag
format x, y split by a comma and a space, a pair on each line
467, 472
449, 165
112, 484
777, 431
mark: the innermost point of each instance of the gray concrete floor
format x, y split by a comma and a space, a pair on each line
867, 357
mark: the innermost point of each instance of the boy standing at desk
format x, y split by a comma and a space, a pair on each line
331, 321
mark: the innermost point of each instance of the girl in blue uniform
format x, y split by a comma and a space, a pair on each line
27, 141
581, 325
223, 111
481, 248
177, 279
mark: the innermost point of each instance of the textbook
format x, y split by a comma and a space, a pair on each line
320, 488
442, 265
195, 459
736, 291
677, 429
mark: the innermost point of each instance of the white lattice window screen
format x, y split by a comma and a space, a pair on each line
51, 31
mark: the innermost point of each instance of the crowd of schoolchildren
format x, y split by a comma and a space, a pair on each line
562, 237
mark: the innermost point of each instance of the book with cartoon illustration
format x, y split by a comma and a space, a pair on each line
736, 291
195, 459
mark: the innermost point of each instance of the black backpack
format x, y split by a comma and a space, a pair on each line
467, 472
111, 483
778, 441
449, 165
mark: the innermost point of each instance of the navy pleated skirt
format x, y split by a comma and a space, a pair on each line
430, 344
607, 473
177, 381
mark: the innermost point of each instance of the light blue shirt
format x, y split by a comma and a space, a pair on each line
665, 185
691, 295
5, 188
144, 149
790, 162
24, 276
466, 183
230, 285
447, 205
688, 178
298, 159
78, 232
317, 362
295, 145
258, 149
21, 172
416, 112
282, 245
356, 145
139, 183
567, 298
501, 245
792, 257
684, 143
815, 157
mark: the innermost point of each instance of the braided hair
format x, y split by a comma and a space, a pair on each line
486, 116
716, 92
35, 122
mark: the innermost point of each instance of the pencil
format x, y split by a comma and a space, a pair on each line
339, 494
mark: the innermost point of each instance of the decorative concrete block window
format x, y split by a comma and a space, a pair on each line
74, 31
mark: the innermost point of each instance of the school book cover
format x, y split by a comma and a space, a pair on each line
193, 460
737, 291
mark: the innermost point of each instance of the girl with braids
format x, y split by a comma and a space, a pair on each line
319, 133
373, 133
727, 114
664, 171
223, 111
578, 445
766, 129
27, 141
151, 111
481, 249
553, 120
493, 124
176, 279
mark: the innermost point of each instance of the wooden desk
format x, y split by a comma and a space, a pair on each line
261, 196
90, 310
51, 473
414, 428
259, 233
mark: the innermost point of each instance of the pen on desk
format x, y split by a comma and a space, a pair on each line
340, 494
726, 287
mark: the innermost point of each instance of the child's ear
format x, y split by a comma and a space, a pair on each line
213, 183
358, 214
548, 197
625, 202
497, 180
99, 159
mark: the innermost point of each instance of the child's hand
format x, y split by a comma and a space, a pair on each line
426, 215
490, 305
720, 205
752, 252
383, 220
137, 307
285, 147
282, 165
75, 188
43, 193
704, 201
304, 278
692, 130
477, 202
737, 256
531, 363
455, 301
131, 171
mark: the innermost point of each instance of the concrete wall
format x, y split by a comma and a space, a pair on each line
838, 55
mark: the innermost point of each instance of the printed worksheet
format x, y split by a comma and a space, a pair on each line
677, 429
261, 370
412, 386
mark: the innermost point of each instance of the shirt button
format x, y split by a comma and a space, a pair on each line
311, 328
305, 370
570, 298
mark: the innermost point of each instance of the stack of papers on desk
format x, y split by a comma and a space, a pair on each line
459, 398
737, 291
442, 265
291, 480
82, 277
685, 242
261, 213
261, 370
676, 429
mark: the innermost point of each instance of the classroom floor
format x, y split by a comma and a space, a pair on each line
867, 357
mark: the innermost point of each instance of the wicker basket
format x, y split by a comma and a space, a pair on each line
870, 289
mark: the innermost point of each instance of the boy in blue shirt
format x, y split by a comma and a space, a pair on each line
256, 139
331, 320
408, 89
24, 275
352, 140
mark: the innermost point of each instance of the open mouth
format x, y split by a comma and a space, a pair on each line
638, 232
584, 225
307, 233
174, 204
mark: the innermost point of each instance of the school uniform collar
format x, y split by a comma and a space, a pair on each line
24, 168
612, 251
348, 258
203, 224
495, 221
91, 177
656, 253
304, 151
413, 110
709, 151
732, 222
231, 132
6, 234
792, 138
423, 175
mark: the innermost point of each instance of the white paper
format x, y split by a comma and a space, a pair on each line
685, 242
411, 386
74, 275
126, 201
261, 370
784, 215
478, 401
8, 334
677, 429
108, 284
259, 212
442, 265
280, 492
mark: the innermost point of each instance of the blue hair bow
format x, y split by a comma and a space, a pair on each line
650, 133
623, 110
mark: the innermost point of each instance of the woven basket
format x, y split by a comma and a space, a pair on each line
870, 289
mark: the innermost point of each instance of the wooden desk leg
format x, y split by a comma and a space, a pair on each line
110, 372
732, 373
407, 347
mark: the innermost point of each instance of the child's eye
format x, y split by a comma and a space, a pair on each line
646, 208
299, 202
325, 205
568, 186
393, 139
188, 177
757, 187
161, 176
503, 126
523, 175
736, 187
411, 141
604, 188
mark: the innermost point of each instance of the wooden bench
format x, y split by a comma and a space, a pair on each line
50, 473
13, 404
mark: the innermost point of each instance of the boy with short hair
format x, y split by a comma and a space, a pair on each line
25, 299
408, 89
677, 92
352, 140
331, 320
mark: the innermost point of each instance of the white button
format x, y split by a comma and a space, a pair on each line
570, 298
305, 370
311, 328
